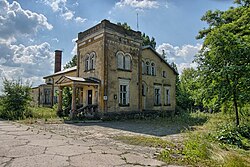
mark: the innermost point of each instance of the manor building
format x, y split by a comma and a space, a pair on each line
114, 71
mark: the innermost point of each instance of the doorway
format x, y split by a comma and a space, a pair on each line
89, 97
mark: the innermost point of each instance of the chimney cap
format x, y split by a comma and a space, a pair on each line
58, 51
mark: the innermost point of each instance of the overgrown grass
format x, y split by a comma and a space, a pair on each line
145, 141
42, 115
201, 145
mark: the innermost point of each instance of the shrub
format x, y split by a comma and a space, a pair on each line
15, 100
234, 135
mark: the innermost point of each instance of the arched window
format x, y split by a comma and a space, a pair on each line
120, 63
153, 72
148, 68
92, 61
127, 62
123, 61
87, 62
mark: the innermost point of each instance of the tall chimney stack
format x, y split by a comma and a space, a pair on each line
58, 61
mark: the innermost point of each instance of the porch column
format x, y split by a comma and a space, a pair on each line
60, 99
81, 94
73, 107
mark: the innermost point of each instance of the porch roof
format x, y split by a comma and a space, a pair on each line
68, 80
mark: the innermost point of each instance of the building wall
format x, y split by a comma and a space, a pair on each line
158, 81
86, 46
121, 42
35, 96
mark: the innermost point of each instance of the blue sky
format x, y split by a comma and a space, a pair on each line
31, 30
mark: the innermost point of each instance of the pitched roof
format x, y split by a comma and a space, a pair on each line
157, 54
62, 72
77, 79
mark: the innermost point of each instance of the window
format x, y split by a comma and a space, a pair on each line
153, 68
127, 62
87, 63
124, 92
123, 61
157, 96
164, 74
90, 61
47, 96
167, 96
148, 68
120, 60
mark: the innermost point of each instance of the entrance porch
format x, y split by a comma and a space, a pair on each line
86, 90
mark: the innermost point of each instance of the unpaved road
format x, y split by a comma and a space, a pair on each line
73, 145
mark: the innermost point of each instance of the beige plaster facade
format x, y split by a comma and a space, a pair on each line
111, 72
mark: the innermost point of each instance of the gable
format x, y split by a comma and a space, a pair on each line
148, 53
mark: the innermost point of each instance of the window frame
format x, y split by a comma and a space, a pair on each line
157, 96
124, 83
153, 68
167, 99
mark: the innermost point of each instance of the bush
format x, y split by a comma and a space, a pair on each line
15, 101
238, 136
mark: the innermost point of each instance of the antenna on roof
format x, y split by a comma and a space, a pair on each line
137, 22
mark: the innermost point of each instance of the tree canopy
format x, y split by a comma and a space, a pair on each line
71, 63
224, 60
15, 100
145, 38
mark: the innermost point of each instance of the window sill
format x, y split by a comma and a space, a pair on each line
124, 105
167, 104
158, 105
89, 70
120, 69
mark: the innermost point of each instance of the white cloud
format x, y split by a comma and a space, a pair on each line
26, 62
74, 50
141, 4
15, 21
183, 56
68, 15
80, 20
60, 6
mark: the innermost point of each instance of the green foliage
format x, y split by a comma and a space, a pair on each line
15, 101
239, 136
43, 112
125, 25
235, 161
145, 38
147, 41
223, 61
71, 63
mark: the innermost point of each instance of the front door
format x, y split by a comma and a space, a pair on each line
89, 96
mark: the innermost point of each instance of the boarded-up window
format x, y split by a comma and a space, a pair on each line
127, 62
120, 60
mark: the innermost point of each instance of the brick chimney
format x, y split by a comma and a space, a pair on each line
58, 60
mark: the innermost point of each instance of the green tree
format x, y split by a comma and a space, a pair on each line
71, 63
67, 91
223, 61
147, 41
15, 100
145, 38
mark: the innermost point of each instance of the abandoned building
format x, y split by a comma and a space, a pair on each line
114, 72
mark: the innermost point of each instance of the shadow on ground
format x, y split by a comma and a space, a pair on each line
156, 127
